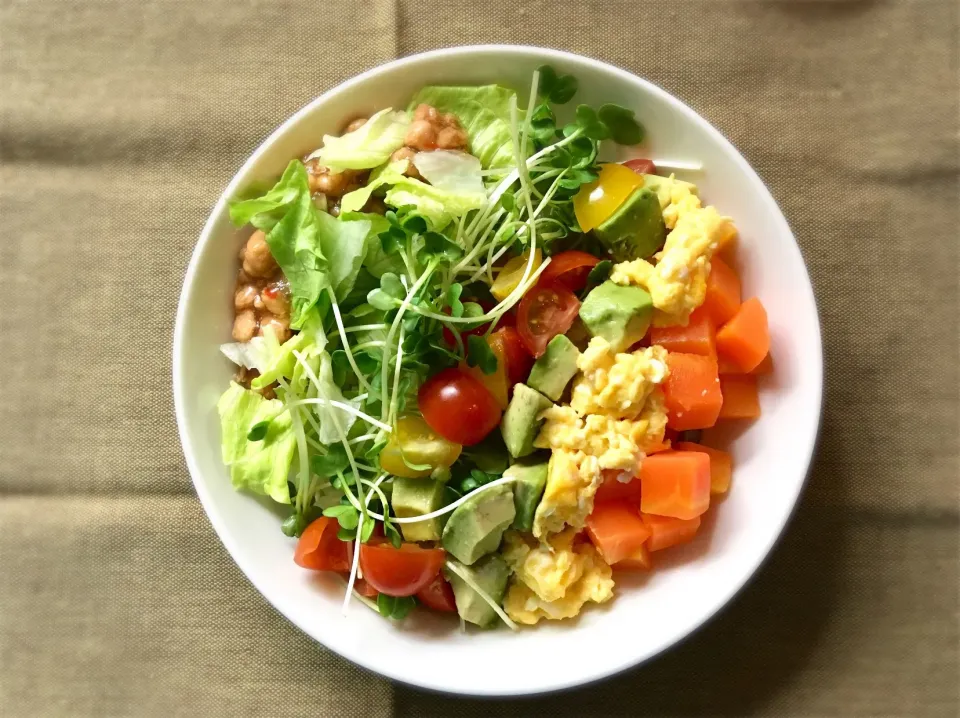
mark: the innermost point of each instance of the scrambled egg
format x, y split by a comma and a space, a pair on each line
616, 385
553, 579
582, 448
678, 281
572, 482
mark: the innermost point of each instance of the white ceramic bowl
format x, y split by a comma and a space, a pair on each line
648, 614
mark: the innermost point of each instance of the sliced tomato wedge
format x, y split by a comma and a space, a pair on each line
458, 407
438, 595
641, 166
545, 312
364, 588
320, 549
568, 269
519, 360
399, 571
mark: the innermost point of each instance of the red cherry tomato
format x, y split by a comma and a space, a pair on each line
519, 360
458, 407
437, 595
477, 331
364, 588
568, 269
545, 312
641, 166
320, 549
399, 571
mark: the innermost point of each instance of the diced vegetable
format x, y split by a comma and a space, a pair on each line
745, 339
510, 275
675, 483
666, 531
698, 337
495, 382
616, 529
639, 559
596, 201
728, 366
413, 442
320, 549
400, 571
723, 292
692, 391
740, 397
613, 489
569, 269
721, 464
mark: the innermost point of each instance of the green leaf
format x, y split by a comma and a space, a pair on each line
369, 146
331, 463
349, 519
439, 247
381, 300
484, 112
590, 123
621, 123
347, 534
600, 273
453, 299
559, 89
264, 211
294, 525
395, 607
480, 354
338, 510
366, 531
548, 80
258, 431
391, 284
390, 531
260, 466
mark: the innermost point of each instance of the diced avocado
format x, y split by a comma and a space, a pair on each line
416, 497
520, 425
636, 228
530, 477
490, 574
476, 526
553, 371
621, 315
663, 186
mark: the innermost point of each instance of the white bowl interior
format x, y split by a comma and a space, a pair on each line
650, 612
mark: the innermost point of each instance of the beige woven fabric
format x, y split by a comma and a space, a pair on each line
120, 123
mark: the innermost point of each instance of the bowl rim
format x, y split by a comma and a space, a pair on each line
179, 360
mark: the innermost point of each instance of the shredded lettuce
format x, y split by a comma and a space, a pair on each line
484, 113
376, 262
314, 249
436, 205
450, 170
250, 355
279, 361
259, 466
369, 146
264, 211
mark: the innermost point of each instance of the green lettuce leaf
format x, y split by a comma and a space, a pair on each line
353, 202
265, 211
376, 262
259, 466
484, 113
344, 244
369, 146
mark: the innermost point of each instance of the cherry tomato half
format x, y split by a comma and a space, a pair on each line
519, 360
438, 595
399, 571
320, 549
641, 166
458, 407
569, 269
545, 312
364, 588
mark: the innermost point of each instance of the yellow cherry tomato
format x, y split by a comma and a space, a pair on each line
495, 383
595, 202
416, 442
509, 276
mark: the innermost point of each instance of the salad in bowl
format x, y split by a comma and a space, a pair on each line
475, 362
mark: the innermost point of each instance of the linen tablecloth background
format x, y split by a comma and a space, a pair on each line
123, 121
